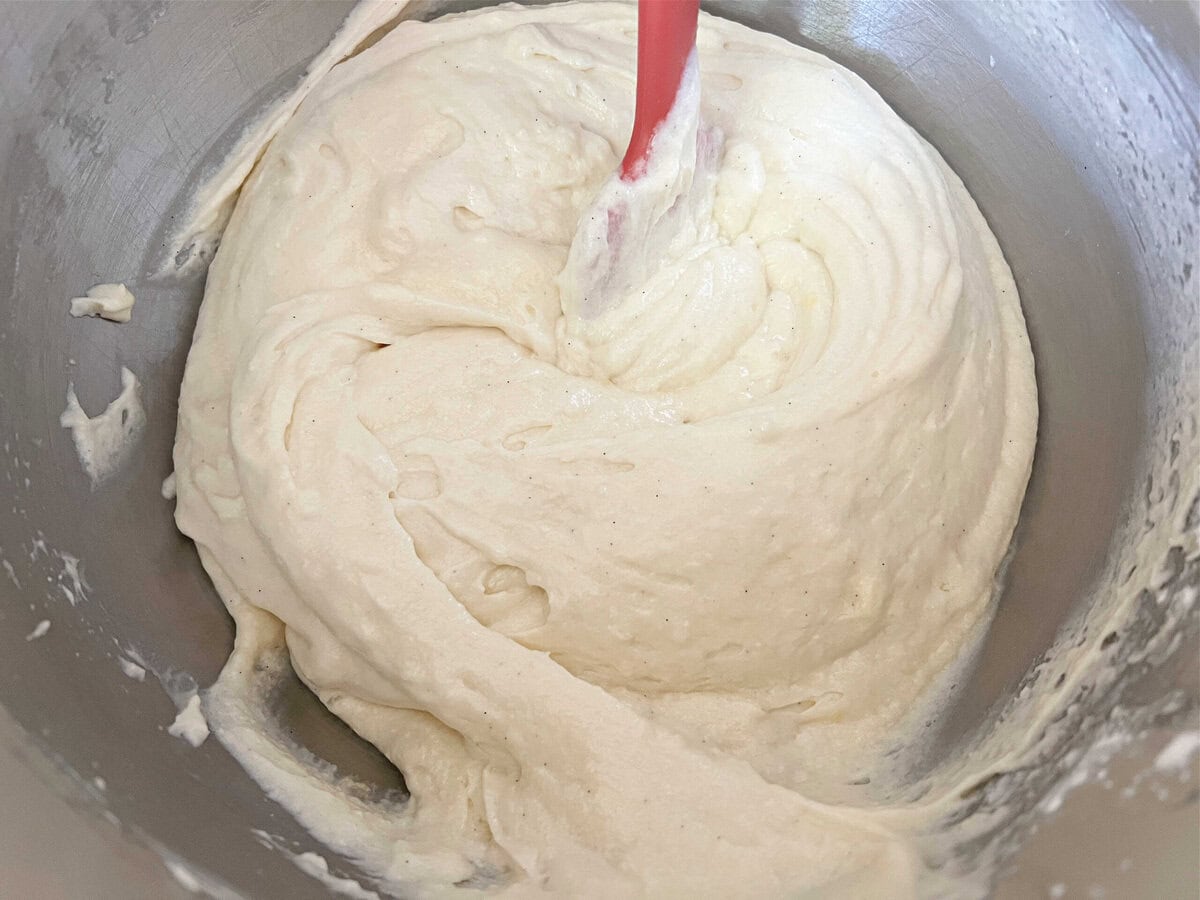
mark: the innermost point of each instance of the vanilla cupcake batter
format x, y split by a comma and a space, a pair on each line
637, 597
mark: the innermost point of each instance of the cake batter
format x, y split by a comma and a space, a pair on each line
638, 598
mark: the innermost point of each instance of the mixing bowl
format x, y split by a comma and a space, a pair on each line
1075, 127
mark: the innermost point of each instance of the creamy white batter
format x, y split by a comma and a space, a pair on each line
107, 301
636, 599
104, 442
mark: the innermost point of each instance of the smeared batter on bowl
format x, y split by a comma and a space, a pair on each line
636, 601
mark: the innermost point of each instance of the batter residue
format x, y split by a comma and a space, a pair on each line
636, 599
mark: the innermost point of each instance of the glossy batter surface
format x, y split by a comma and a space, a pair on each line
635, 599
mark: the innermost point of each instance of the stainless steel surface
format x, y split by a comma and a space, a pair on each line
1074, 125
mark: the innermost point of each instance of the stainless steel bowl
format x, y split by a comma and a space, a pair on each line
1075, 127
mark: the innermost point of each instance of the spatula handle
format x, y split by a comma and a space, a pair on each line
666, 36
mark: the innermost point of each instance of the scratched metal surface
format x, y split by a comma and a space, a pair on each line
1074, 125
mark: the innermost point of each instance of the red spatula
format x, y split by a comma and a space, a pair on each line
627, 229
666, 38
